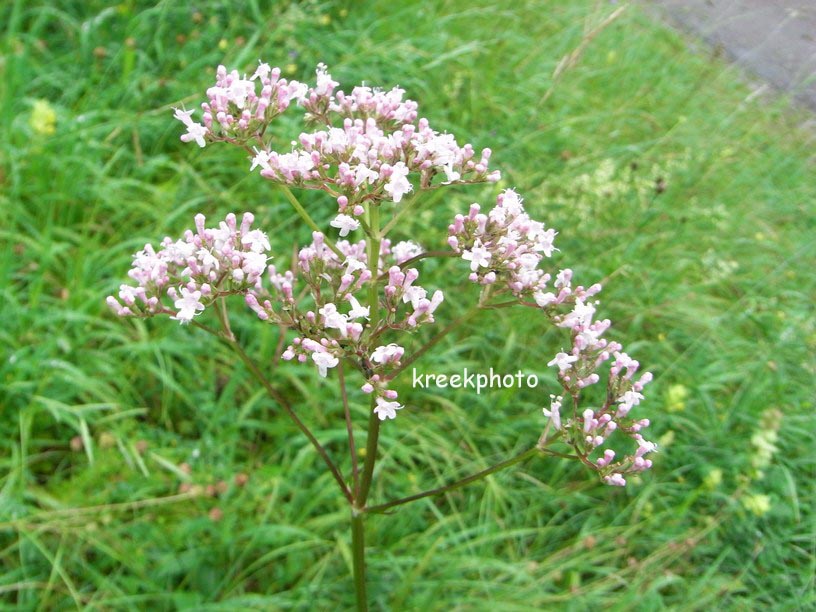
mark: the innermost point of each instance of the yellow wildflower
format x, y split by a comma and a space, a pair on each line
43, 119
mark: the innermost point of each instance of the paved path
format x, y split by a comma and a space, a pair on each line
774, 39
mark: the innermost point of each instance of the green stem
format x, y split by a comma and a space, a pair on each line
370, 457
308, 220
355, 478
459, 483
358, 559
374, 263
374, 314
361, 494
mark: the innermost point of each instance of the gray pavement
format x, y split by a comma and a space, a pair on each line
773, 39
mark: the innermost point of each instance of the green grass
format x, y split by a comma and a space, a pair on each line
710, 285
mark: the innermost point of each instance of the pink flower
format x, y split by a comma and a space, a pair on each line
616, 480
387, 354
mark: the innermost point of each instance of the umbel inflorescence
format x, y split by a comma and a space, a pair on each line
346, 300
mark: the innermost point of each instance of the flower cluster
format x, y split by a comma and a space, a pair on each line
358, 158
333, 322
370, 144
369, 147
505, 248
236, 110
192, 272
578, 368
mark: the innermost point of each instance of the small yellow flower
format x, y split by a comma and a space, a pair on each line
223, 44
291, 68
758, 503
43, 119
324, 20
713, 479
676, 398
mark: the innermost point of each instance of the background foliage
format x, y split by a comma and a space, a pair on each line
665, 175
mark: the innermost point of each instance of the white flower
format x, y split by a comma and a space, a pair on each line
544, 242
261, 159
207, 260
353, 265
357, 311
295, 163
324, 83
179, 251
387, 354
186, 117
478, 256
363, 174
436, 299
581, 315
345, 224
629, 399
405, 250
414, 294
563, 278
257, 241
512, 202
554, 413
197, 132
254, 264
398, 185
324, 361
298, 91
386, 410
239, 90
189, 305
563, 361
544, 299
333, 319
261, 72
528, 261
623, 360
450, 174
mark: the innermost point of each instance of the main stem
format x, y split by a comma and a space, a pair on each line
357, 512
358, 558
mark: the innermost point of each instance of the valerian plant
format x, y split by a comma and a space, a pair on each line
351, 306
